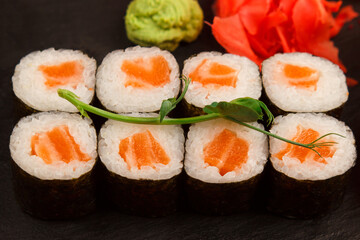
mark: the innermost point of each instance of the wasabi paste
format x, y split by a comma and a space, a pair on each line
163, 23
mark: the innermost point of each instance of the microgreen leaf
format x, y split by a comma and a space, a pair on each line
269, 115
168, 105
257, 106
233, 110
242, 109
250, 103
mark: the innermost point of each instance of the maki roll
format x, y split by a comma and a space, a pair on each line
53, 157
302, 183
141, 165
137, 79
224, 162
300, 82
219, 77
39, 74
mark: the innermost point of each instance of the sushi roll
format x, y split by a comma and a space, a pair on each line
300, 82
53, 156
302, 184
39, 74
224, 162
141, 165
219, 77
137, 79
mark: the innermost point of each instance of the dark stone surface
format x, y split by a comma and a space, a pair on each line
97, 27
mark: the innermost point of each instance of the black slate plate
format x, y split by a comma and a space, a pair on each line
97, 27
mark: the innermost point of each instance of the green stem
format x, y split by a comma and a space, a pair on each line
129, 119
83, 107
269, 133
187, 82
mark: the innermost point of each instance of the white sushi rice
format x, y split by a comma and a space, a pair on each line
28, 81
110, 82
171, 138
343, 159
331, 91
248, 83
200, 134
82, 131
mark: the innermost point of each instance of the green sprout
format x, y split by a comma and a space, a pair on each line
240, 110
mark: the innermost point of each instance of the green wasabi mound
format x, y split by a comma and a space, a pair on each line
163, 23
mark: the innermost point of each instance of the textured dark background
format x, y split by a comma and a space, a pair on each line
97, 27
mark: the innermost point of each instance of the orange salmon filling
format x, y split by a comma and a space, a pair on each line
57, 145
142, 149
214, 73
67, 73
301, 77
146, 73
226, 151
304, 154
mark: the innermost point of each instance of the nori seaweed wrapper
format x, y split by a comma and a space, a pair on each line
21, 109
276, 111
221, 198
54, 199
304, 199
149, 198
190, 110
